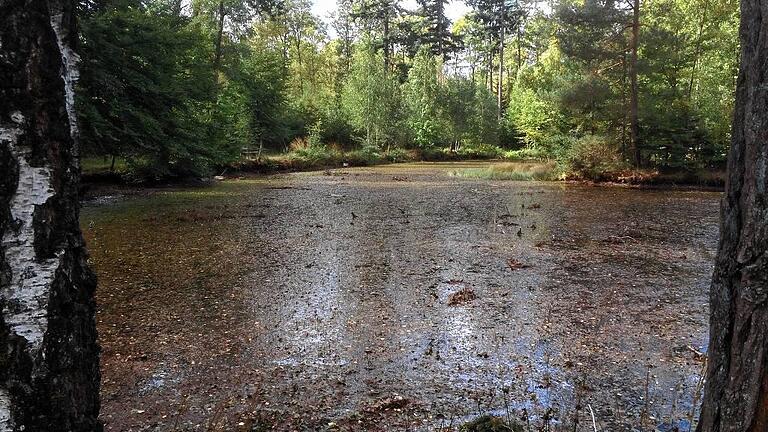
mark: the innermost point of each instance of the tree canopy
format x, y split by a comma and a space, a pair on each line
179, 89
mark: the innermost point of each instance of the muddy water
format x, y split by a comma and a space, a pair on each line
325, 301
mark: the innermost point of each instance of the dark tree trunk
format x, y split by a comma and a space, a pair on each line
697, 51
219, 40
634, 126
736, 392
49, 368
490, 65
297, 39
519, 48
501, 66
385, 41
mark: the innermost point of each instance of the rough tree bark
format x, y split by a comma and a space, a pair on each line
736, 392
49, 369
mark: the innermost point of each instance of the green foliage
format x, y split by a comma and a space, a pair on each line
480, 151
535, 109
142, 91
469, 113
174, 93
436, 33
397, 155
371, 101
363, 157
525, 154
316, 156
593, 157
422, 98
251, 108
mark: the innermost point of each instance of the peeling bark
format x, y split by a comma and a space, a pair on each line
49, 371
736, 393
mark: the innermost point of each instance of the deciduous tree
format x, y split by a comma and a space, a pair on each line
49, 359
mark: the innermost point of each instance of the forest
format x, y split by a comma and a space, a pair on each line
383, 215
601, 87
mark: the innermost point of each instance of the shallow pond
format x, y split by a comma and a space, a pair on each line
328, 301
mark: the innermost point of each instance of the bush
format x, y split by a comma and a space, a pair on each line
482, 151
313, 157
298, 143
526, 153
593, 157
365, 156
433, 154
397, 155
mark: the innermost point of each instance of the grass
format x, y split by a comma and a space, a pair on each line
512, 171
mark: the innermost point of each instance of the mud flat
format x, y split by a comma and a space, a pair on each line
400, 298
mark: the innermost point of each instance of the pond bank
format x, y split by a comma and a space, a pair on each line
100, 182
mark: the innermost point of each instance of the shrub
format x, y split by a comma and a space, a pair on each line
397, 155
311, 157
593, 157
433, 154
315, 137
482, 151
299, 143
365, 156
526, 153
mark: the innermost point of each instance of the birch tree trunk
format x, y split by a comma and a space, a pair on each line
736, 392
49, 368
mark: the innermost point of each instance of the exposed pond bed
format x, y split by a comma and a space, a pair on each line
341, 300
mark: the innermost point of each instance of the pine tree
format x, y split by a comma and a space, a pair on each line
436, 31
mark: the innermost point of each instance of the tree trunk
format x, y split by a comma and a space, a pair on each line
219, 41
385, 37
501, 68
519, 48
440, 14
49, 365
634, 127
697, 51
297, 39
736, 393
624, 104
490, 66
